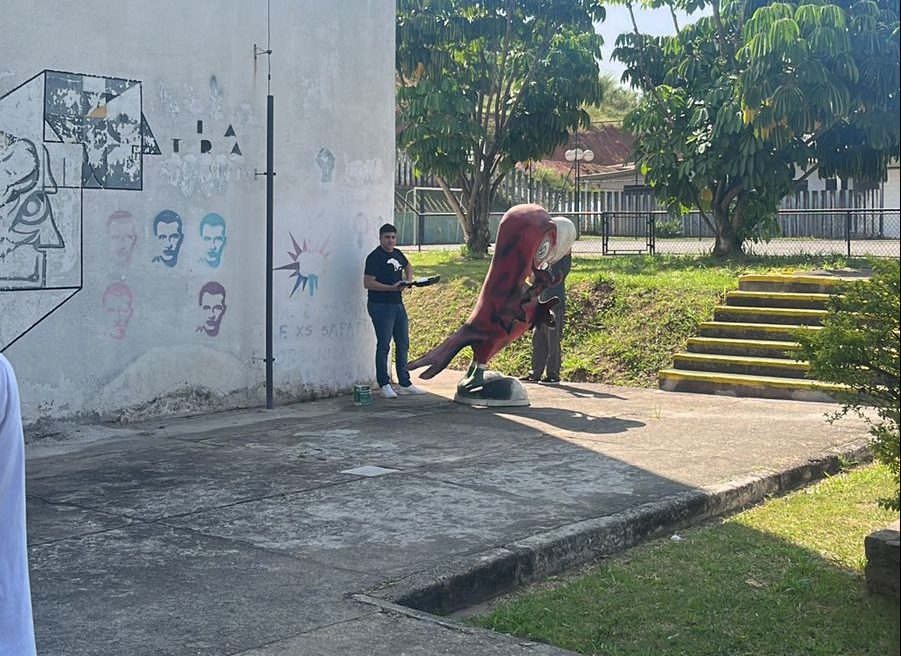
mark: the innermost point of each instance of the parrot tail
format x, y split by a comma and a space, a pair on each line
440, 356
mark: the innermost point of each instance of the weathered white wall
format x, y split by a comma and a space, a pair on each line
200, 90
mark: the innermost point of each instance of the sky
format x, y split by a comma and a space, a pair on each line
658, 22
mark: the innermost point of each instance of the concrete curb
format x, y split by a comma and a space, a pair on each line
477, 577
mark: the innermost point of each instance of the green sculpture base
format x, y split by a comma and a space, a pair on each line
482, 388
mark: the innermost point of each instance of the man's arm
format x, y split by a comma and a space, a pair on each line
369, 282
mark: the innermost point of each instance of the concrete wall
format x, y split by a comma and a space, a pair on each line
129, 127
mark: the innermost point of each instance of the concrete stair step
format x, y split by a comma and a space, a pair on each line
804, 284
748, 347
746, 330
778, 299
738, 364
771, 387
793, 316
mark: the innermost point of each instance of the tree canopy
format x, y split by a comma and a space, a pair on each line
739, 105
489, 83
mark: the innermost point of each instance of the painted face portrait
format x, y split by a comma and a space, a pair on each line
212, 234
26, 215
123, 237
117, 303
212, 305
167, 230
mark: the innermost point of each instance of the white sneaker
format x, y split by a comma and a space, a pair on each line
409, 389
388, 392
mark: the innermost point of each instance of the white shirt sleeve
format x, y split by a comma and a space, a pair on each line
16, 625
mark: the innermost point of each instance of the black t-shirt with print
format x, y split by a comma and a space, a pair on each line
387, 268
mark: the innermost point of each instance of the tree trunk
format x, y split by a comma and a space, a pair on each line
728, 242
479, 236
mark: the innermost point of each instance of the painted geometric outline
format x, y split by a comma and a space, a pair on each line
149, 146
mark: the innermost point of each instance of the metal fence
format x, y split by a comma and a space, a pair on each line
848, 232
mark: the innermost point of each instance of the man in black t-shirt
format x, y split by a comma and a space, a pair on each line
387, 276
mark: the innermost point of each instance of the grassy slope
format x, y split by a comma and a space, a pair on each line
782, 578
626, 316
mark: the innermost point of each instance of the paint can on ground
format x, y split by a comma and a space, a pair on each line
362, 395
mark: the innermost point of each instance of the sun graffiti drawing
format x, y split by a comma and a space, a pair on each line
307, 265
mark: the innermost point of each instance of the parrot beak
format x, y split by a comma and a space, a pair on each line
566, 235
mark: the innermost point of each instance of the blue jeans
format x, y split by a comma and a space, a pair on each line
390, 320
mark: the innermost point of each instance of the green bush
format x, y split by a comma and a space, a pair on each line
858, 346
669, 228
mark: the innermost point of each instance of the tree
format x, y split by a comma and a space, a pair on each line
617, 101
485, 84
858, 346
740, 105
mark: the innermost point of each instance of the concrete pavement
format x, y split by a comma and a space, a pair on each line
320, 528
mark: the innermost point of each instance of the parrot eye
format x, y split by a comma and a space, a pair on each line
543, 249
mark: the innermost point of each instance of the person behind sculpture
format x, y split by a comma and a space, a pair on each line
386, 276
546, 337
16, 625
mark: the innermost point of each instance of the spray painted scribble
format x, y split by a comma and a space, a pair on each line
168, 230
118, 304
308, 264
212, 305
60, 133
122, 231
212, 234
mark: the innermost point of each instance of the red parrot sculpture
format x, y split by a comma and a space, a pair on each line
508, 305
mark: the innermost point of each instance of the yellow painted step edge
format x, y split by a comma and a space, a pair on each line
750, 343
800, 296
743, 360
783, 312
751, 381
765, 327
814, 280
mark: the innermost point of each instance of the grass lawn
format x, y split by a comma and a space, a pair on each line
626, 316
782, 578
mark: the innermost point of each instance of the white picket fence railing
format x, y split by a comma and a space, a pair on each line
519, 187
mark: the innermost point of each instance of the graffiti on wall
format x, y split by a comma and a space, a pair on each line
168, 233
122, 232
26, 213
208, 157
118, 304
307, 264
325, 160
212, 234
60, 133
104, 115
211, 301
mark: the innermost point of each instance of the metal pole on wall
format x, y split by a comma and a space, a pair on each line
270, 174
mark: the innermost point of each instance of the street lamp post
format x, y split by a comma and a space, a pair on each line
577, 156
